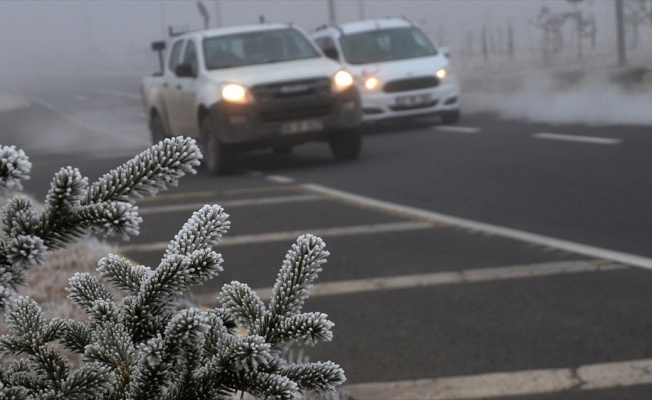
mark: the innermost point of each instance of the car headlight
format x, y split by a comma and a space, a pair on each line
441, 73
236, 93
372, 83
342, 80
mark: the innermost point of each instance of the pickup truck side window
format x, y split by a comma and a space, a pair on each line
190, 56
175, 55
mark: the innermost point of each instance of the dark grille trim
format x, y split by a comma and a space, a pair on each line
414, 107
404, 85
291, 89
294, 114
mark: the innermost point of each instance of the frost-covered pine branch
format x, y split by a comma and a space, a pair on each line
141, 344
73, 209
142, 347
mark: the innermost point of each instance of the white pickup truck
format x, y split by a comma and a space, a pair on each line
249, 87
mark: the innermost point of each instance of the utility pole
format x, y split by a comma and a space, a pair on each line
620, 32
218, 14
331, 11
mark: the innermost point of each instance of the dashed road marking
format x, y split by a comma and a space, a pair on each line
293, 235
504, 384
433, 217
575, 138
84, 125
280, 179
118, 93
458, 129
440, 278
229, 204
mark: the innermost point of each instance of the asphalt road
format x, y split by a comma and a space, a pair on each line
457, 253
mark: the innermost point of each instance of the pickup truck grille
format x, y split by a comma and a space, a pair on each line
286, 114
293, 100
306, 87
404, 85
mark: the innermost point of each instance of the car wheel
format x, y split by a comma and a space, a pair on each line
218, 159
450, 117
157, 129
346, 144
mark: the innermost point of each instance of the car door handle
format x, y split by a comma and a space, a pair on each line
165, 85
179, 87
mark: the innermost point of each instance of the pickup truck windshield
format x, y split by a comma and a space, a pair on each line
386, 45
256, 48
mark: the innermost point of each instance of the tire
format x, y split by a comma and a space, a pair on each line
218, 159
450, 117
346, 144
157, 129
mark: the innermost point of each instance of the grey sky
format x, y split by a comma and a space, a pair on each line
56, 33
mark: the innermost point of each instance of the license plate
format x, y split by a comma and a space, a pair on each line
308, 125
415, 100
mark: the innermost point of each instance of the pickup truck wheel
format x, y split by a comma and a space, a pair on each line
157, 129
346, 144
218, 158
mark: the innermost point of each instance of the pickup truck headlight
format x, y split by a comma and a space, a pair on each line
342, 80
236, 93
441, 73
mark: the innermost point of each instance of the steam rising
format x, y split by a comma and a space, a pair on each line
542, 97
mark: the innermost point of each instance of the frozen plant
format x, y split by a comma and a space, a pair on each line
73, 209
142, 345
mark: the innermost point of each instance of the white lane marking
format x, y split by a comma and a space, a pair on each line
85, 125
293, 235
118, 93
459, 129
575, 138
437, 218
280, 179
229, 204
504, 384
439, 278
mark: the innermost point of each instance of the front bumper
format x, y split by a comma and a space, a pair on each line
379, 105
286, 121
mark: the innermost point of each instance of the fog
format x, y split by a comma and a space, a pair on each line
48, 37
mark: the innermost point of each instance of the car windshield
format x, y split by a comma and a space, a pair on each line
253, 48
386, 45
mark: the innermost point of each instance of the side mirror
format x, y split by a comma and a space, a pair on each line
445, 51
331, 52
185, 71
158, 46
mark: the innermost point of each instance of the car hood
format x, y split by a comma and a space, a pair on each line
277, 72
400, 69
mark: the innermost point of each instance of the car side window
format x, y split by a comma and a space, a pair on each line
175, 55
190, 56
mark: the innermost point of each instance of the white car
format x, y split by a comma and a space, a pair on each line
399, 71
249, 87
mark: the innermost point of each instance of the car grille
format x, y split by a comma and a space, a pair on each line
291, 100
292, 89
403, 85
415, 106
293, 113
